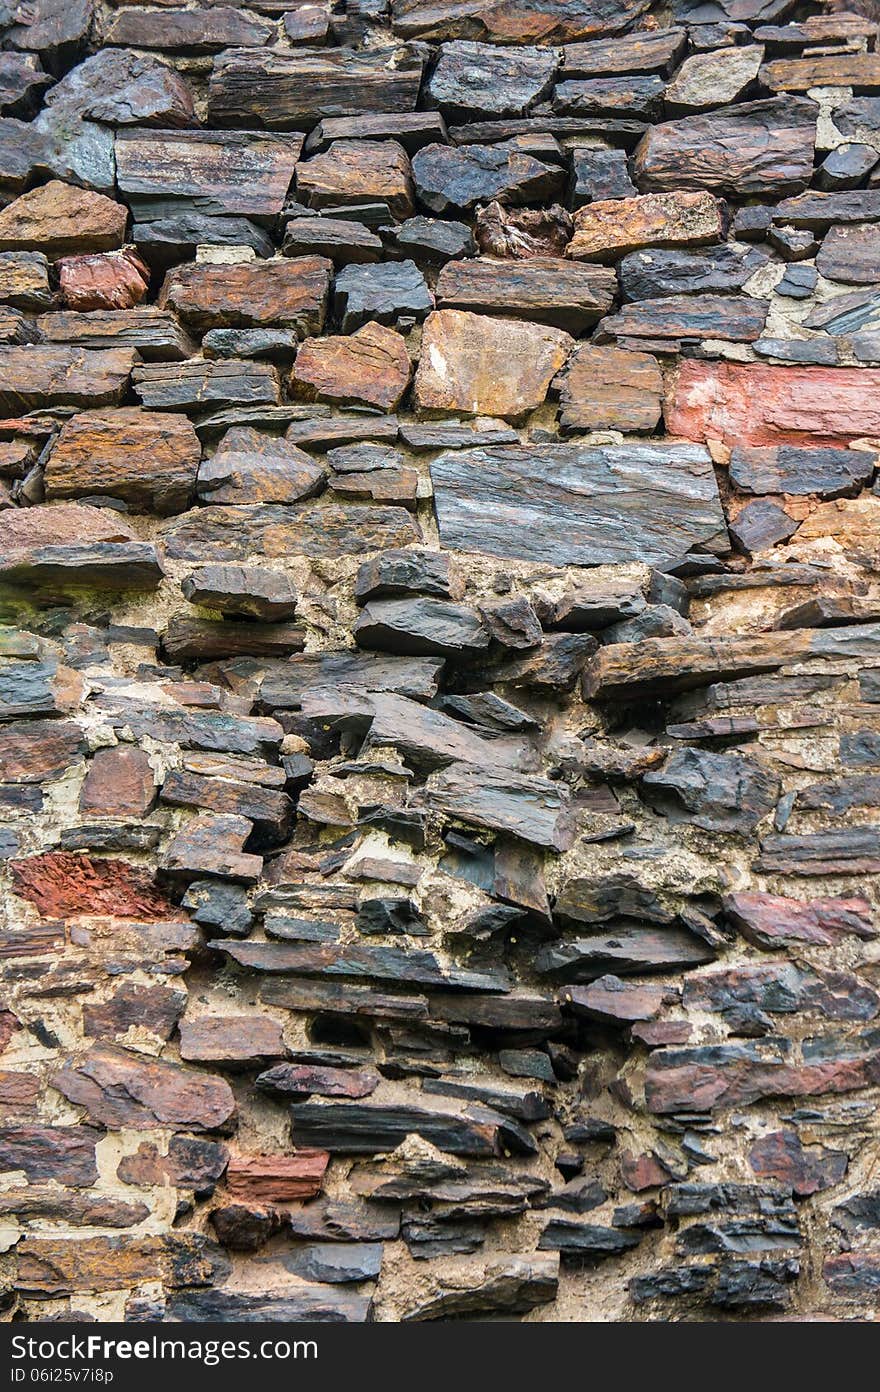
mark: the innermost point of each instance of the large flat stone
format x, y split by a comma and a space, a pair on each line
579, 505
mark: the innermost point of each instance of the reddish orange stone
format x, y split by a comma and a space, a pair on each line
750, 404
61, 884
276, 1178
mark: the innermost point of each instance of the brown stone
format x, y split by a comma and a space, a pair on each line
640, 1172
119, 783
368, 368
609, 229
796, 405
34, 751
153, 1008
730, 1075
37, 377
269, 808
676, 664
234, 173
50, 1266
108, 280
482, 366
379, 485
807, 1169
309, 1079
290, 292
56, 1267
513, 21
148, 459
760, 147
545, 289
212, 845
119, 1088
64, 1154
358, 171
154, 333
233, 533
858, 70
609, 389
63, 885
613, 1001
293, 90
245, 1227
228, 1039
192, 1162
58, 220
194, 31
276, 1178
771, 921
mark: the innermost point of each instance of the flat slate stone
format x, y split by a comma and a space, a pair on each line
640, 96
353, 173
38, 376
270, 530
604, 231
251, 467
609, 389
644, 51
242, 173
533, 809
851, 254
660, 272
830, 473
806, 406
251, 591
191, 31
174, 237
393, 293
343, 240
147, 459
761, 147
420, 626
289, 293
408, 966
625, 950
449, 178
153, 333
598, 174
733, 318
550, 21
580, 505
368, 1128
544, 289
200, 384
475, 79
284, 685
293, 91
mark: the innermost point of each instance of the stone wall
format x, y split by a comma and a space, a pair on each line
440, 677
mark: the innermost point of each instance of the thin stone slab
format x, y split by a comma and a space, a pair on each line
295, 90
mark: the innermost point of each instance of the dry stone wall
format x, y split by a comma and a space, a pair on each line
440, 676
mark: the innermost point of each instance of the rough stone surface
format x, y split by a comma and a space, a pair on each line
481, 366
439, 661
